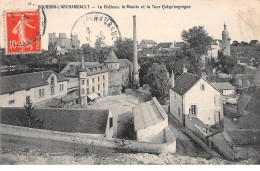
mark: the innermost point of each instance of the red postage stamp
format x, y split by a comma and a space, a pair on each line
23, 32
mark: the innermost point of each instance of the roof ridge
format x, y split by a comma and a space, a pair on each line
26, 73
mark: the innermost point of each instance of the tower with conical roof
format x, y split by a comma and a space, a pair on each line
83, 83
112, 61
225, 42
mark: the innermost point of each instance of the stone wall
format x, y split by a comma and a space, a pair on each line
168, 147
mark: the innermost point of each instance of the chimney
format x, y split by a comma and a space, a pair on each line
172, 79
204, 75
135, 60
184, 70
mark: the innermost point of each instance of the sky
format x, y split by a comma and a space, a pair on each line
161, 25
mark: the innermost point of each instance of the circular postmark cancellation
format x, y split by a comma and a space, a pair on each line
24, 30
95, 29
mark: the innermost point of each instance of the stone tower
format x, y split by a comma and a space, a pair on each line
225, 42
135, 60
83, 83
112, 61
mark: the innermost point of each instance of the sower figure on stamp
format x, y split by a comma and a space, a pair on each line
20, 29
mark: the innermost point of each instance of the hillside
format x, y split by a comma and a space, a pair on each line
247, 51
12, 156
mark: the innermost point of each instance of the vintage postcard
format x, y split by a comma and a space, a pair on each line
169, 82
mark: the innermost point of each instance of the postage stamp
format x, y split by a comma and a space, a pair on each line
23, 32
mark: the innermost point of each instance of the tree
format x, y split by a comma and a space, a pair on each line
243, 43
28, 118
197, 38
227, 63
160, 82
235, 43
124, 49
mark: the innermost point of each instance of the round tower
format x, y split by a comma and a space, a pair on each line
225, 43
112, 61
83, 83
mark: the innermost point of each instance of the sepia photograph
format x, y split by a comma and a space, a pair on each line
148, 82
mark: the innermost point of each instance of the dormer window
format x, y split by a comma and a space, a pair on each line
52, 80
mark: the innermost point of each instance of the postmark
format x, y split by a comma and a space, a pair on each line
23, 32
96, 29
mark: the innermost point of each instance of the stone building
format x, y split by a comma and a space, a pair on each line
120, 73
224, 45
63, 41
16, 90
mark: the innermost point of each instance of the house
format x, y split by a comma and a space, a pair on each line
165, 46
254, 43
150, 120
244, 80
146, 44
97, 77
98, 123
225, 88
213, 50
178, 45
244, 61
16, 90
253, 106
193, 96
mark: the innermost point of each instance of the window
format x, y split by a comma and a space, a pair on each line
11, 102
98, 79
93, 89
87, 90
83, 91
110, 122
41, 92
193, 110
52, 90
61, 87
52, 80
217, 100
202, 87
93, 80
82, 82
179, 111
103, 85
217, 117
98, 87
28, 99
87, 82
104, 77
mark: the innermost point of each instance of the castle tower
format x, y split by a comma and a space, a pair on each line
112, 61
135, 60
225, 43
83, 83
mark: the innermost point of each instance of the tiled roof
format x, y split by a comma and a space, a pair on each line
124, 62
244, 136
148, 114
223, 86
253, 106
92, 68
184, 82
112, 57
244, 60
249, 121
26, 81
64, 120
148, 41
164, 45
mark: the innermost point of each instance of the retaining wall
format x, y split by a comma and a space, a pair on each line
168, 147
